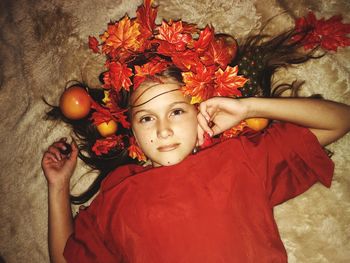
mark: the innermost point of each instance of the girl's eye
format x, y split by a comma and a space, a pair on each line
177, 112
146, 119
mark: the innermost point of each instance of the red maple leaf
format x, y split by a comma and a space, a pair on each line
220, 52
199, 85
119, 115
154, 66
329, 34
111, 112
101, 114
118, 76
103, 146
227, 82
93, 44
205, 37
146, 17
165, 48
186, 61
173, 33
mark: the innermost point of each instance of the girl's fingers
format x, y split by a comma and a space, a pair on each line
54, 149
200, 136
63, 147
57, 147
203, 123
50, 157
62, 150
203, 110
216, 130
75, 150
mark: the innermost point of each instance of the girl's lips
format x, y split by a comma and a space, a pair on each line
168, 148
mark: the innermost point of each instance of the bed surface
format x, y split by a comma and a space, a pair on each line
43, 44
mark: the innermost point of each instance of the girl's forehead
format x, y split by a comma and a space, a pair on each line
151, 91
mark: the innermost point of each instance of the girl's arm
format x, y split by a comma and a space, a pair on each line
58, 169
326, 119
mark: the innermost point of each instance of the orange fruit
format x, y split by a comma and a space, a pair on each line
75, 103
107, 128
257, 124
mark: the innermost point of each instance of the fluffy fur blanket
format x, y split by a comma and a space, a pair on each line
43, 44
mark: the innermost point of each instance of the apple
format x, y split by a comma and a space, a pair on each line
107, 128
257, 124
75, 103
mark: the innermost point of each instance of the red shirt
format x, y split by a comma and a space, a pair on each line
215, 206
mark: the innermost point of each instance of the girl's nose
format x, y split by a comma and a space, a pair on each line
164, 130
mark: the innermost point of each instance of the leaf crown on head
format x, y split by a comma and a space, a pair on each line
200, 54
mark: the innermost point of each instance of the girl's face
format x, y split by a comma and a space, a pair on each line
164, 122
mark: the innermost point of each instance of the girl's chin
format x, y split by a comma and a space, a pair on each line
167, 162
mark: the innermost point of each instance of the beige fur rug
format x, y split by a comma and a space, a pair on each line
43, 44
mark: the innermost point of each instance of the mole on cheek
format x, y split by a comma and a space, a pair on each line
151, 140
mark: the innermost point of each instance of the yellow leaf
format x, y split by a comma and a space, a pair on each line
196, 99
106, 98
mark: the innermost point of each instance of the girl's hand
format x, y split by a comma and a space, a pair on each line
219, 114
58, 168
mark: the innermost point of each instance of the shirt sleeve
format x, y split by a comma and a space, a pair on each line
290, 159
87, 243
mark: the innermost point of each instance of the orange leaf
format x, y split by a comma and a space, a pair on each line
135, 151
227, 82
234, 131
121, 35
199, 85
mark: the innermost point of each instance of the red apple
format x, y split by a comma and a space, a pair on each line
75, 103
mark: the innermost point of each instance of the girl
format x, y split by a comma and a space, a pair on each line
215, 205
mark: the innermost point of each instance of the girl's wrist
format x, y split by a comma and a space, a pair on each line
59, 189
249, 105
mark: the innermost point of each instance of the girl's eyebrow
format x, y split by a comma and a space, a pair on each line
170, 106
178, 102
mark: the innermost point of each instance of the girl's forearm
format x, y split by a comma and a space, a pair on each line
60, 222
328, 120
